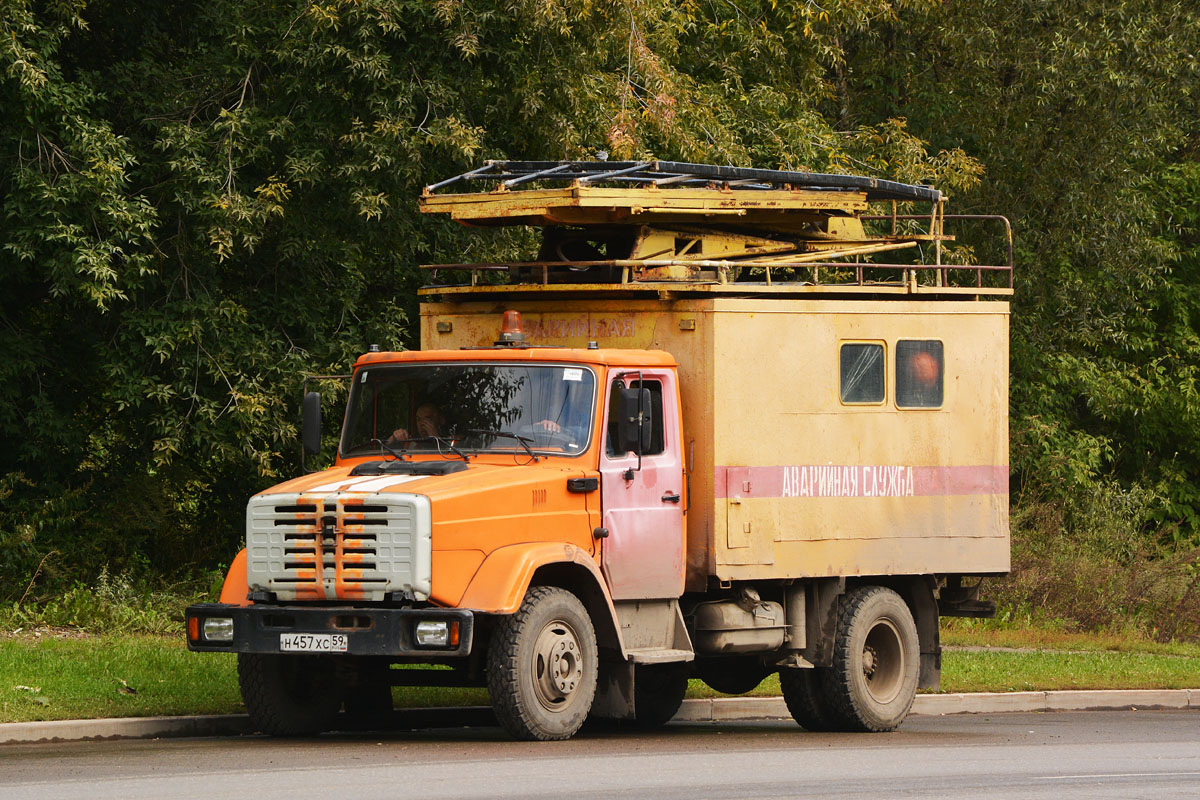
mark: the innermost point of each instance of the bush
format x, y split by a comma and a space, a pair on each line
1090, 564
114, 604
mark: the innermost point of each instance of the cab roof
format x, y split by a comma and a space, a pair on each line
601, 357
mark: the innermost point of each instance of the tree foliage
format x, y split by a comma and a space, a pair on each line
1082, 113
203, 202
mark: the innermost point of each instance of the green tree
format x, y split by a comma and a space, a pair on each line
1079, 112
204, 202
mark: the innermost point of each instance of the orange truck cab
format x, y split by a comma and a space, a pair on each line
621, 470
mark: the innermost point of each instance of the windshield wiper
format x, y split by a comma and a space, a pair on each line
440, 441
448, 442
383, 447
524, 440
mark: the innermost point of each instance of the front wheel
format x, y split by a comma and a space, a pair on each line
876, 659
542, 666
288, 695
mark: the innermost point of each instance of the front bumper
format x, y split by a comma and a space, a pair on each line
368, 631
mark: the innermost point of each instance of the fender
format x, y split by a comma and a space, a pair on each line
500, 583
236, 588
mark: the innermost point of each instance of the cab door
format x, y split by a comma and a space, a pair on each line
642, 505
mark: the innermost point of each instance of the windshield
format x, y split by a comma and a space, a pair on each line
473, 407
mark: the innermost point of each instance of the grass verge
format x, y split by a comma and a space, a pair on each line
996, 633
116, 675
129, 675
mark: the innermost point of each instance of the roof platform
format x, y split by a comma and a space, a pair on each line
628, 192
668, 226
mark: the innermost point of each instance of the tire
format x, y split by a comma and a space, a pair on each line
876, 661
658, 691
541, 666
802, 693
732, 675
288, 695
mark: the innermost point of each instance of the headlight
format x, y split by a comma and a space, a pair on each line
218, 629
436, 633
433, 633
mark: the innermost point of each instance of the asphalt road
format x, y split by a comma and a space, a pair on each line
1126, 754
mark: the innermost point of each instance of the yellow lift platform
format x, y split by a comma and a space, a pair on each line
666, 226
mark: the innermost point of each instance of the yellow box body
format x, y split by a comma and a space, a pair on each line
786, 480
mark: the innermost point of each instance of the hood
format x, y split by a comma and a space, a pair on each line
474, 509
474, 480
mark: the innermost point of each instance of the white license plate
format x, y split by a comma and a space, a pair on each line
312, 642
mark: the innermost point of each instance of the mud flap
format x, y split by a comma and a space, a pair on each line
614, 691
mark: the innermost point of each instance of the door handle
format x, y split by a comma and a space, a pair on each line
670, 498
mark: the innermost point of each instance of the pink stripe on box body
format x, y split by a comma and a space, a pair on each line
858, 480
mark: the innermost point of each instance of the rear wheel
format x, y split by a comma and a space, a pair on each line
288, 695
876, 659
542, 666
802, 692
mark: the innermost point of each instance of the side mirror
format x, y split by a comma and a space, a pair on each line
310, 433
634, 423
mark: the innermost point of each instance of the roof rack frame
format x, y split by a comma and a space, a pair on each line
509, 174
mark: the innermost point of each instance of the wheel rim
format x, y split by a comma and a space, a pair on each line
557, 665
883, 661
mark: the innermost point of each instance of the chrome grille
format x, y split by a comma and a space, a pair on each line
340, 546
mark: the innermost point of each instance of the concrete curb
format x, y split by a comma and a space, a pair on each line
733, 708
719, 709
77, 730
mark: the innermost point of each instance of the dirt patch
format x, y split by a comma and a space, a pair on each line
46, 632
